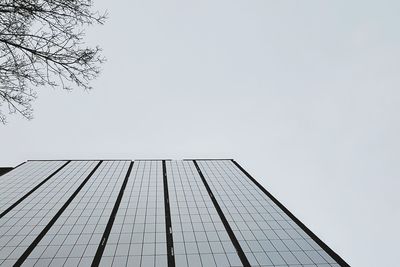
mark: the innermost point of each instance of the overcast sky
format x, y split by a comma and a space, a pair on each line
304, 94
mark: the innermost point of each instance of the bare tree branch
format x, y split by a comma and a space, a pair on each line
41, 43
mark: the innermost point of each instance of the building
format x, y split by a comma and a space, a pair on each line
148, 213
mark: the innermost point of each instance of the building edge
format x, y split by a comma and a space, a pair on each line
313, 236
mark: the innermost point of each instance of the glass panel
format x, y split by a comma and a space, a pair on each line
21, 225
138, 235
77, 233
16, 183
266, 234
200, 238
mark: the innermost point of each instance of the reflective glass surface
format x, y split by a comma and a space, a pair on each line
22, 225
138, 235
21, 180
75, 236
200, 238
72, 210
266, 234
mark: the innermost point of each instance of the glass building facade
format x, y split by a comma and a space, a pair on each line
148, 213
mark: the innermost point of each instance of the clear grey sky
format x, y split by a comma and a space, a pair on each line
304, 94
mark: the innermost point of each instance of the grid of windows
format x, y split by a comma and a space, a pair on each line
200, 238
266, 234
21, 225
74, 238
20, 181
210, 204
138, 235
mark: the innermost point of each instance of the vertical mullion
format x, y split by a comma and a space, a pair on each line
228, 228
168, 225
106, 234
29, 250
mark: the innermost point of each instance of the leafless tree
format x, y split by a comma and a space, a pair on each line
41, 43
